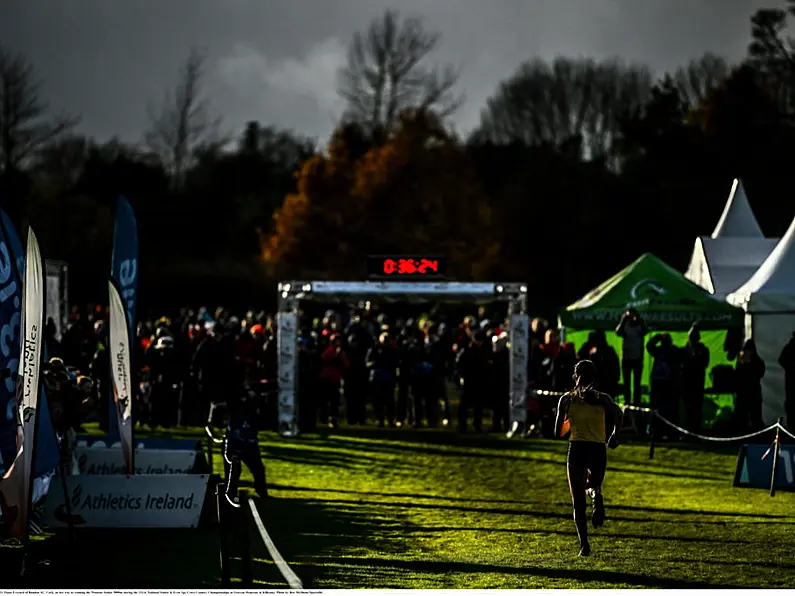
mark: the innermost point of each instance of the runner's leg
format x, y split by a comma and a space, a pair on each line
577, 474
598, 468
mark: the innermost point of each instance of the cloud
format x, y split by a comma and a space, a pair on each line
312, 76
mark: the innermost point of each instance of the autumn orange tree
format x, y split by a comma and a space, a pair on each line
415, 193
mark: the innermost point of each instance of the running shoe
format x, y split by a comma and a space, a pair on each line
598, 516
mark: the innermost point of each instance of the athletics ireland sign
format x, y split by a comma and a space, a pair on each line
140, 501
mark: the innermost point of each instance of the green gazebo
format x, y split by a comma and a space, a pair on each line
667, 301
664, 298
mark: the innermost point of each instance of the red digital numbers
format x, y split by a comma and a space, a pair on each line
410, 266
428, 266
406, 266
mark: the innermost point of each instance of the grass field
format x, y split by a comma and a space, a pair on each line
432, 509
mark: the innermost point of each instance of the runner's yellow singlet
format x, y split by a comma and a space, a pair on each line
587, 421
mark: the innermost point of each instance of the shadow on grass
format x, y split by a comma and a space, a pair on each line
498, 511
399, 568
304, 531
488, 440
645, 537
290, 454
652, 510
125, 559
528, 448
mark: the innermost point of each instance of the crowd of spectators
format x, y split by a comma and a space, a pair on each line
369, 367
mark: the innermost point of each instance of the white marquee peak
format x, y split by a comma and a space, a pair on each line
737, 219
776, 275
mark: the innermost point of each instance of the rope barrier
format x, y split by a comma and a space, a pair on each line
716, 439
288, 574
638, 409
679, 428
785, 431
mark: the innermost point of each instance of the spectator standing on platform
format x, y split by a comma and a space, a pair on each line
632, 330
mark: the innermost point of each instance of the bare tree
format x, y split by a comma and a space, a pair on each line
700, 77
184, 123
24, 125
568, 100
387, 72
772, 54
62, 161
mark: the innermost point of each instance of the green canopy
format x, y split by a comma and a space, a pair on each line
663, 297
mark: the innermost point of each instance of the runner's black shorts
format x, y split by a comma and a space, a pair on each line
589, 455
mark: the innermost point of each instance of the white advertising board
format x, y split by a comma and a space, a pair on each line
104, 461
286, 336
56, 273
146, 501
519, 332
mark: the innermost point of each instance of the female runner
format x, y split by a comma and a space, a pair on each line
589, 415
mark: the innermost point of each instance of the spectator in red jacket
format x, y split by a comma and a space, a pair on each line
334, 365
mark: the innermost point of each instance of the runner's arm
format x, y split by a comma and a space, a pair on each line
560, 417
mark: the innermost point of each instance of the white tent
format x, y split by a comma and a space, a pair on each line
724, 261
737, 219
768, 299
722, 265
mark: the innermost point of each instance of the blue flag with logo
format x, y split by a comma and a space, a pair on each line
10, 317
12, 269
124, 271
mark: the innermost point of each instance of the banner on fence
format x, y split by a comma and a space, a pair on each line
100, 441
140, 501
755, 467
105, 461
124, 276
17, 485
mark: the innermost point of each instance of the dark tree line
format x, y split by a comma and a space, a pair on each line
576, 167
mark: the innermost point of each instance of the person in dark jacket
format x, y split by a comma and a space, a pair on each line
209, 369
420, 377
605, 359
787, 362
565, 362
356, 378
438, 355
748, 403
472, 368
382, 362
665, 376
695, 361
241, 444
162, 361
403, 412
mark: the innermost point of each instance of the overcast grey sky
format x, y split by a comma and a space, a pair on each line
275, 60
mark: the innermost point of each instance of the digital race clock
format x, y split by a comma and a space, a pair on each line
406, 267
